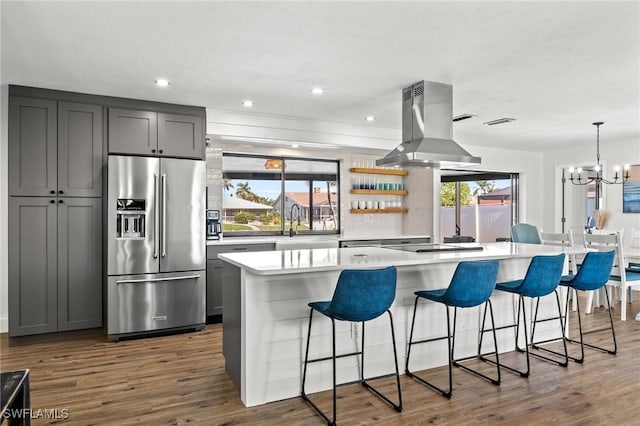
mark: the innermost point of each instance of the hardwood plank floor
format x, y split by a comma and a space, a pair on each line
180, 379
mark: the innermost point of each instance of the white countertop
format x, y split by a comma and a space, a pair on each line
326, 259
305, 238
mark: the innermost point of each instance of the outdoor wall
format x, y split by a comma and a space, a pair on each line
485, 223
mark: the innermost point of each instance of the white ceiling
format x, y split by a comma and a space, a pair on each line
554, 66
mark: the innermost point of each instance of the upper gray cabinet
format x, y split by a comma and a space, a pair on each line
133, 132
79, 150
156, 134
55, 148
180, 136
32, 146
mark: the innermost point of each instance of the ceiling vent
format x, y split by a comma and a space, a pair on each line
499, 121
463, 117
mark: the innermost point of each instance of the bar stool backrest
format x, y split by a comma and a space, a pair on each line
472, 283
543, 276
595, 270
525, 233
363, 294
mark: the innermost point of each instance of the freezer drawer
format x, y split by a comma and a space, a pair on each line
150, 302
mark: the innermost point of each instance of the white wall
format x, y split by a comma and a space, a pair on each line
611, 153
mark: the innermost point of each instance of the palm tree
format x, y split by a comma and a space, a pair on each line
244, 191
227, 185
484, 187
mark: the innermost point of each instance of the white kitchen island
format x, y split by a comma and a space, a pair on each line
266, 314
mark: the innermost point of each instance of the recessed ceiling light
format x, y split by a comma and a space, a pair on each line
317, 90
247, 103
162, 82
370, 118
295, 145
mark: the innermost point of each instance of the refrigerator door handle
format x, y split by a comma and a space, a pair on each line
155, 216
150, 280
163, 237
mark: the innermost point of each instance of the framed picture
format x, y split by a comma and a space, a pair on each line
631, 191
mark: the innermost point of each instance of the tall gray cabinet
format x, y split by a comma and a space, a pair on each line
57, 168
55, 215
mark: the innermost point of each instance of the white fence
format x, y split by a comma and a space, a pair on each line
483, 222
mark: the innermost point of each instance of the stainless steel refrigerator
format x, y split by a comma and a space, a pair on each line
156, 254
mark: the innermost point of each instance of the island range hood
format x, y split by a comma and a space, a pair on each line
427, 130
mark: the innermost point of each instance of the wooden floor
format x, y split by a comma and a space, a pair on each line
180, 379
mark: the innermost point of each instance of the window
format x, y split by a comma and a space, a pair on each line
477, 206
253, 201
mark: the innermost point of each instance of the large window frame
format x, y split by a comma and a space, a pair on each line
284, 204
461, 176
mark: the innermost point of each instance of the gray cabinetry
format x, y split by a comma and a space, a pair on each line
79, 263
55, 264
55, 148
180, 136
32, 146
155, 134
215, 271
32, 265
133, 132
79, 150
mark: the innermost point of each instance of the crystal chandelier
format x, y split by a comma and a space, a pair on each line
597, 179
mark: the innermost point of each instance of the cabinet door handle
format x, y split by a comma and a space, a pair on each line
160, 151
239, 249
52, 201
60, 201
60, 192
153, 280
153, 151
52, 192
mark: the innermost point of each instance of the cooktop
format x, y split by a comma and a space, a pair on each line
436, 247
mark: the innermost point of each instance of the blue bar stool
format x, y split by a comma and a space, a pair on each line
471, 285
542, 278
360, 296
593, 274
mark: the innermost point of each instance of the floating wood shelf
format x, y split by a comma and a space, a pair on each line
378, 192
369, 211
379, 171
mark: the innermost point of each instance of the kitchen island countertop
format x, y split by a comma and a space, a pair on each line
329, 259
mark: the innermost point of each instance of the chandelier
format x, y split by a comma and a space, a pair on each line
617, 178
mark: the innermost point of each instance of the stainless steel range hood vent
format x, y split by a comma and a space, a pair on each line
427, 130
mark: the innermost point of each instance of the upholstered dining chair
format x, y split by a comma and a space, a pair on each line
360, 295
525, 233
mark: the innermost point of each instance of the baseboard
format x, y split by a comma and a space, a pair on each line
4, 325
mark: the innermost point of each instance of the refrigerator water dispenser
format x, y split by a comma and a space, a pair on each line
130, 219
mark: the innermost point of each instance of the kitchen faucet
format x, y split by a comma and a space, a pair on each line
291, 232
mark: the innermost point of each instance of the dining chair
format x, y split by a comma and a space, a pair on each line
622, 277
525, 233
471, 285
360, 295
